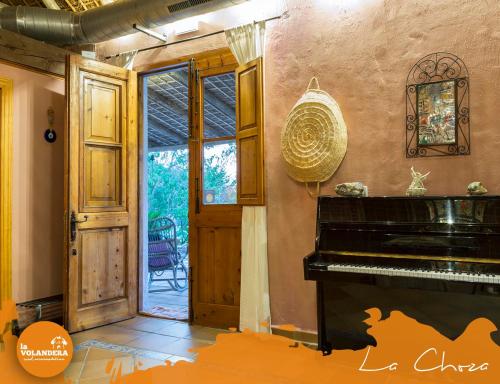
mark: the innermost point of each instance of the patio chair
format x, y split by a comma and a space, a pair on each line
163, 256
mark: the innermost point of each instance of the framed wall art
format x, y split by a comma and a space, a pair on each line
437, 107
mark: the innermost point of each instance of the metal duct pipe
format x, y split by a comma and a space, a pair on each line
104, 23
42, 24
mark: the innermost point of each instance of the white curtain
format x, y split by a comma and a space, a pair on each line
124, 60
247, 43
255, 311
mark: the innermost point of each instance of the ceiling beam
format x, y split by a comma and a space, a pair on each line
163, 132
180, 110
157, 140
177, 108
32, 53
51, 4
211, 97
168, 132
70, 5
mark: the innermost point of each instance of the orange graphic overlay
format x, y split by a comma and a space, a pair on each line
44, 349
10, 369
407, 352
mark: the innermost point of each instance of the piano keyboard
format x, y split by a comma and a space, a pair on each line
424, 274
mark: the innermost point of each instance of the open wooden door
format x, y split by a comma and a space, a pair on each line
215, 216
101, 194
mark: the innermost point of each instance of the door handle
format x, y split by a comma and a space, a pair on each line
74, 222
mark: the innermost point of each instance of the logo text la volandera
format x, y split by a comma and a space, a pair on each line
56, 353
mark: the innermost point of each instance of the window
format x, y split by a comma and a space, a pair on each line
219, 139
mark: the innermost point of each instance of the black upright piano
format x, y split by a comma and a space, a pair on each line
436, 259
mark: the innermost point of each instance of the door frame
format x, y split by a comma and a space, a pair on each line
6, 129
148, 70
142, 181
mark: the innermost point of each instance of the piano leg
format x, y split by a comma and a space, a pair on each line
323, 344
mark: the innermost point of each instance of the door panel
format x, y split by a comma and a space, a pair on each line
103, 271
101, 181
219, 273
102, 177
249, 133
215, 238
247, 93
248, 157
102, 109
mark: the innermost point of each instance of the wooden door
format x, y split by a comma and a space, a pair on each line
101, 194
215, 216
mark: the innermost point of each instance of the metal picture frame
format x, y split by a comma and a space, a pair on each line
432, 72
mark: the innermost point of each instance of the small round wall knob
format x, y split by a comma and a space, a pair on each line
50, 135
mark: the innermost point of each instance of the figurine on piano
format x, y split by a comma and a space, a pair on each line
416, 187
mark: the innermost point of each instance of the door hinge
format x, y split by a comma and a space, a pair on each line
196, 103
197, 194
191, 309
192, 93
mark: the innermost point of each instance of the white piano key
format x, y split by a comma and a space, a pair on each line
429, 274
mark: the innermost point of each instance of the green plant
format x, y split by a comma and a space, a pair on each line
168, 183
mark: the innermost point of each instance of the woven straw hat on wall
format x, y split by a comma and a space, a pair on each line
314, 139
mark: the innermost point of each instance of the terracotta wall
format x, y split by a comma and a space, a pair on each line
362, 50
37, 212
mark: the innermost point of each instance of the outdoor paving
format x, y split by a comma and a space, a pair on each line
163, 296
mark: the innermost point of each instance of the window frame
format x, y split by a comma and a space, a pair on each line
199, 98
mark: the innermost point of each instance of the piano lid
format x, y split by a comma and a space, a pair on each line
406, 210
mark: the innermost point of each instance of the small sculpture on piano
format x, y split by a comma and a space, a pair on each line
476, 188
351, 189
416, 187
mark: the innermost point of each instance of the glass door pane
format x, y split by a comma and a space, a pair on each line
219, 172
219, 143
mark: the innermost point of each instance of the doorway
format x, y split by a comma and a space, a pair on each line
189, 183
166, 193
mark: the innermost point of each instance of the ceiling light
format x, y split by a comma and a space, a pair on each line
189, 25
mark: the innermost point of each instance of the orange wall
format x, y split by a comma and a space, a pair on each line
37, 212
362, 50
